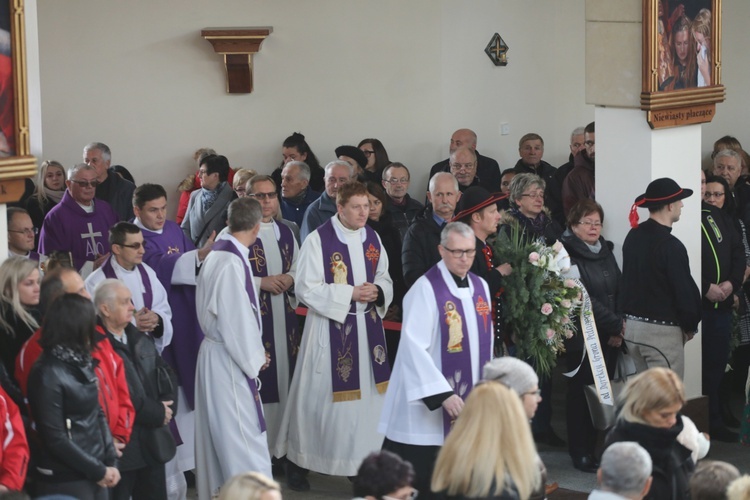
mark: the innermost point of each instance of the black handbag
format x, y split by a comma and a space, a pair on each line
159, 441
602, 415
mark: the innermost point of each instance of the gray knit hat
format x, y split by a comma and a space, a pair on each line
513, 373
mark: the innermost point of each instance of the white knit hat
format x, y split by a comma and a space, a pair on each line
513, 373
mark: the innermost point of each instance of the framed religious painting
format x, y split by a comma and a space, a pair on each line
16, 162
681, 61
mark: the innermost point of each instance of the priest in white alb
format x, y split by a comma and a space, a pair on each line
230, 426
152, 312
446, 338
342, 371
273, 260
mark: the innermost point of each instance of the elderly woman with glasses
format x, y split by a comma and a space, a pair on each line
528, 213
527, 208
594, 263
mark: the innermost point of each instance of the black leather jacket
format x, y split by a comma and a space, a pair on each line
419, 251
76, 443
601, 276
150, 381
672, 463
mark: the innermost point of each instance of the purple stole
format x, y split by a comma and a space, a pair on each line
148, 294
228, 246
34, 256
455, 358
162, 252
344, 341
269, 386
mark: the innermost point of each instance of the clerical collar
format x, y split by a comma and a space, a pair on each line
115, 264
89, 209
138, 223
460, 282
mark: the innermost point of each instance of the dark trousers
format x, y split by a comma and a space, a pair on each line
542, 421
422, 458
581, 432
716, 333
82, 490
147, 483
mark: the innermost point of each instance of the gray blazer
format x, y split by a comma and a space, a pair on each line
199, 226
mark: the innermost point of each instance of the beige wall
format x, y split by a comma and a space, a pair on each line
732, 115
137, 76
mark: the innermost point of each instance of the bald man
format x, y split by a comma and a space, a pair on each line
487, 170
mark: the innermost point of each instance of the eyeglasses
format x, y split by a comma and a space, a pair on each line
263, 196
536, 393
412, 494
202, 172
85, 184
135, 246
588, 223
533, 196
398, 181
710, 194
461, 253
462, 166
368, 153
27, 231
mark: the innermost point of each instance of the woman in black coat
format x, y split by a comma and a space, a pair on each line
527, 211
380, 221
597, 268
650, 415
77, 456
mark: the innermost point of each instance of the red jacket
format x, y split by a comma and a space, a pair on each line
14, 449
114, 396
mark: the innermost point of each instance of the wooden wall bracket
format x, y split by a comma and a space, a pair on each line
237, 45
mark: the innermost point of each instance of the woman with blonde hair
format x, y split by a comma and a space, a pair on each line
241, 176
250, 486
649, 414
50, 188
19, 297
701, 29
471, 465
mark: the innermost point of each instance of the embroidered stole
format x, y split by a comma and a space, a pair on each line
455, 348
344, 337
148, 294
269, 387
228, 246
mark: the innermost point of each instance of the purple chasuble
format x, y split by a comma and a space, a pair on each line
344, 341
269, 386
455, 357
228, 246
69, 228
148, 294
162, 252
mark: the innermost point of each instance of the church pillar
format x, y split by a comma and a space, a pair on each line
629, 154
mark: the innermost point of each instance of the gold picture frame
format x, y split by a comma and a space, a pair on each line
16, 161
681, 61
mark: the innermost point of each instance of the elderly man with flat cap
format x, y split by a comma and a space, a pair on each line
478, 209
660, 299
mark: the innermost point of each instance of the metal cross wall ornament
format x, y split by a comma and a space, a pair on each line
497, 50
